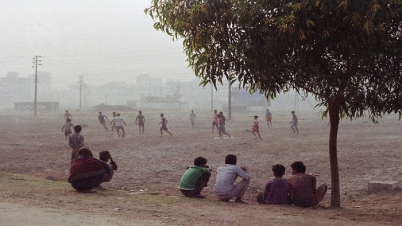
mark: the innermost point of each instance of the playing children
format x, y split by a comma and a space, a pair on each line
68, 116
75, 141
112, 124
192, 118
221, 122
164, 123
140, 121
67, 128
268, 118
256, 128
102, 120
294, 123
118, 124
215, 121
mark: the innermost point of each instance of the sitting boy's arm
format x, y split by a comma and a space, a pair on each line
114, 165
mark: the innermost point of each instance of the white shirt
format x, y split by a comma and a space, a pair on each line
226, 175
118, 121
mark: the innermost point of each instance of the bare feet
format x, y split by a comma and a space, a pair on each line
238, 200
199, 196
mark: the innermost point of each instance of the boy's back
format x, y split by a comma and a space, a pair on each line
277, 191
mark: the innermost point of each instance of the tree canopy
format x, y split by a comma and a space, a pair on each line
348, 53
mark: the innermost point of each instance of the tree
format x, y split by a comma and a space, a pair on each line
347, 53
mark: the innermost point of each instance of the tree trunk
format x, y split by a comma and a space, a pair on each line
334, 108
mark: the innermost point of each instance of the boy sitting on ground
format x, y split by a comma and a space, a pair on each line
195, 178
276, 190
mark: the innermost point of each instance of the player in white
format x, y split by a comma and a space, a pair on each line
192, 118
118, 124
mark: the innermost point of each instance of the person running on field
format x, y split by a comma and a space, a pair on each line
112, 123
215, 121
67, 115
164, 123
221, 122
118, 124
256, 128
102, 120
294, 123
67, 128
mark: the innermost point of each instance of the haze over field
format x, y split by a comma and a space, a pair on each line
102, 40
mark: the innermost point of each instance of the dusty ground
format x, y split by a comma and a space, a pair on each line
144, 189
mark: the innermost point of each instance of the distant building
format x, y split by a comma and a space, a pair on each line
44, 89
147, 85
40, 106
14, 89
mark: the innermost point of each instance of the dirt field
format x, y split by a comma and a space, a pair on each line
144, 189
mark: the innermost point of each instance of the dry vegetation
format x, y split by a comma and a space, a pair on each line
150, 166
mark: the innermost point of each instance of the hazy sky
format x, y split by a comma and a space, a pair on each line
103, 40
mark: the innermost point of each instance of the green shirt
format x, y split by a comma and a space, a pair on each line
190, 177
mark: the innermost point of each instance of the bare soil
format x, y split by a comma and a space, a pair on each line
144, 188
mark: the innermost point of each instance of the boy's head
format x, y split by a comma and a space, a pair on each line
104, 155
140, 112
85, 151
192, 111
221, 112
100, 112
162, 115
200, 161
255, 116
278, 170
215, 111
118, 114
66, 111
298, 167
77, 128
231, 159
68, 120
114, 113
293, 112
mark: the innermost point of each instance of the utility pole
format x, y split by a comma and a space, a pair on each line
89, 96
81, 80
85, 96
229, 101
36, 62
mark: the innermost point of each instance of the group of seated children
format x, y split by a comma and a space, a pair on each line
299, 190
